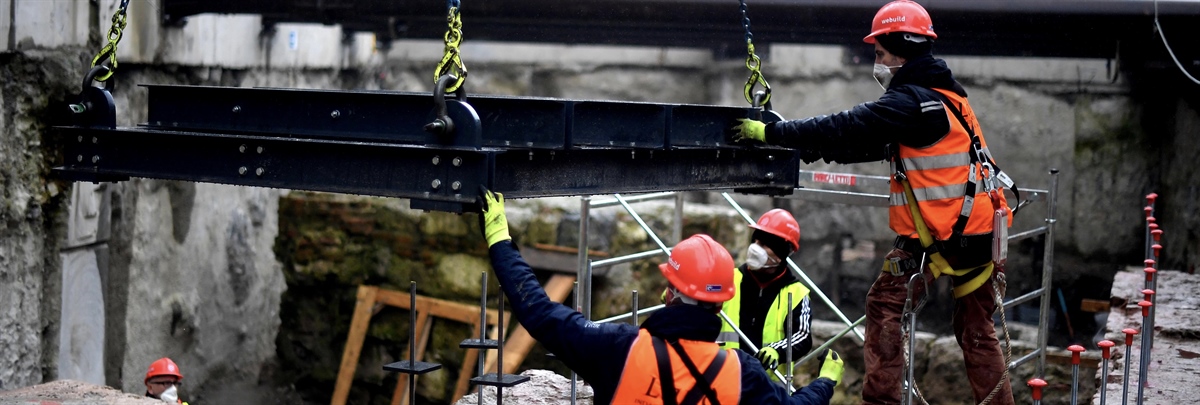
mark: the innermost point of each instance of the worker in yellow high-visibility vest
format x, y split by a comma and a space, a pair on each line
760, 308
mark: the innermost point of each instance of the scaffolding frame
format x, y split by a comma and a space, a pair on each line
584, 287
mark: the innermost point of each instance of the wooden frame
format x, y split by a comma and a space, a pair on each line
370, 300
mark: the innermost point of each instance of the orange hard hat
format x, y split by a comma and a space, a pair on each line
163, 366
701, 269
780, 223
901, 16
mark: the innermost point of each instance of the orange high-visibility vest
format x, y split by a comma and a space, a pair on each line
641, 385
939, 174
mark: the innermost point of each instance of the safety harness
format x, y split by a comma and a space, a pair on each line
703, 387
993, 181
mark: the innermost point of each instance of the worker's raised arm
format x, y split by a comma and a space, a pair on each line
596, 351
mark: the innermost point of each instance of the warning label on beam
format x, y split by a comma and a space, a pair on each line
834, 178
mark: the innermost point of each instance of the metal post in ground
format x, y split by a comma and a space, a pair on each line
1156, 247
482, 332
1037, 384
1144, 356
1075, 351
634, 321
1129, 332
788, 338
1105, 346
1047, 274
1149, 221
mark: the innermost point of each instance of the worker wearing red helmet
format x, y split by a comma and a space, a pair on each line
764, 282
162, 380
623, 362
946, 205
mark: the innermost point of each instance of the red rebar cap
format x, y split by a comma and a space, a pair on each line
1150, 273
1148, 209
1157, 233
1075, 350
1151, 197
1145, 308
1037, 384
1105, 345
1149, 262
1129, 332
1153, 226
1156, 247
1147, 293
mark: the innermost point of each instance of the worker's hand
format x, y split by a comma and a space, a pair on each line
749, 129
494, 223
832, 366
768, 357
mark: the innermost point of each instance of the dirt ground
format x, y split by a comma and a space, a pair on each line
68, 392
1175, 355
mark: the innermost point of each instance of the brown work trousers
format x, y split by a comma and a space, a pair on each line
884, 349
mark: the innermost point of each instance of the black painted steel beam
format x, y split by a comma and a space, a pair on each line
373, 143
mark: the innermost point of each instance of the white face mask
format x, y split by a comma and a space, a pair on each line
757, 258
883, 74
170, 395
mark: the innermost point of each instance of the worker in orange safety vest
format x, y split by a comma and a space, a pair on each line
947, 203
672, 357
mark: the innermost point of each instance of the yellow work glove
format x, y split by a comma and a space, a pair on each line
749, 129
493, 221
768, 357
832, 366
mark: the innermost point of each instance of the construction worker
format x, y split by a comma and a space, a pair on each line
623, 362
760, 307
162, 380
945, 198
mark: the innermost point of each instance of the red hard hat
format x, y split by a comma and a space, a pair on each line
701, 269
780, 223
901, 16
163, 366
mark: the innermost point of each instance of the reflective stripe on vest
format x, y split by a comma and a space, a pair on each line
775, 324
640, 380
939, 175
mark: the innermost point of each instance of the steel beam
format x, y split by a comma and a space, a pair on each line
372, 143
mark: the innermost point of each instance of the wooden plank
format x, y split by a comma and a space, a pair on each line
555, 258
568, 250
424, 329
519, 343
451, 310
1091, 305
365, 301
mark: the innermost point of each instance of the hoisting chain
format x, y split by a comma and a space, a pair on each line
452, 60
754, 64
110, 49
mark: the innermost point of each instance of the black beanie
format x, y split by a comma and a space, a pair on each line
781, 247
897, 45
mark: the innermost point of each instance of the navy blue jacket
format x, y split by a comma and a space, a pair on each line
864, 132
597, 352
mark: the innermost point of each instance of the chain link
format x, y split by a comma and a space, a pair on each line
754, 64
451, 62
114, 37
